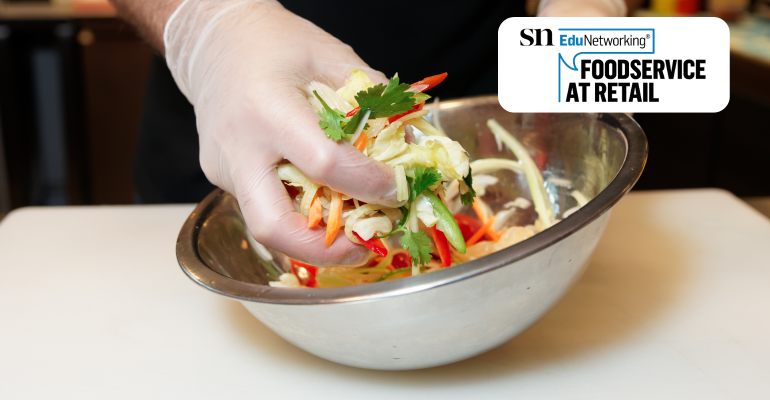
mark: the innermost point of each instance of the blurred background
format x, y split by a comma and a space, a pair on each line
73, 77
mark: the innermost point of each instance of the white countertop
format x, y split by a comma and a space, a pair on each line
675, 305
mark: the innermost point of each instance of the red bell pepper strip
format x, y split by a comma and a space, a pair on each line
374, 245
352, 112
310, 280
415, 108
431, 81
442, 244
291, 190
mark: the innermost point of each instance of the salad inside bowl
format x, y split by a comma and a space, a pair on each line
452, 313
442, 219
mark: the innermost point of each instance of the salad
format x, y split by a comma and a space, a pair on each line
435, 181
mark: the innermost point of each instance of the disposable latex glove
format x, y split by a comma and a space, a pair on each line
243, 65
582, 8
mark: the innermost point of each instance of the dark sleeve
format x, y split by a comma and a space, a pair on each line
166, 165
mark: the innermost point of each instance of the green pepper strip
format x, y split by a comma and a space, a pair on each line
398, 271
453, 233
394, 272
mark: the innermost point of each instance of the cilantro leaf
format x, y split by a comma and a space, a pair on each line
386, 101
331, 121
418, 246
423, 179
467, 198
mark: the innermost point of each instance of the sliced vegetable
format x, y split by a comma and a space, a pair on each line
481, 212
391, 274
316, 213
361, 142
415, 108
447, 221
468, 226
430, 82
425, 127
478, 207
401, 260
442, 245
492, 234
335, 218
305, 273
531, 171
356, 124
488, 165
480, 233
291, 190
373, 244
352, 112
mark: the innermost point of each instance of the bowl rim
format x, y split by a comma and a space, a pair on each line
196, 269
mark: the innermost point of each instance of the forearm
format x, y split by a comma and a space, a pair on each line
585, 8
149, 16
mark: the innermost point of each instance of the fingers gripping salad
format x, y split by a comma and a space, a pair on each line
435, 180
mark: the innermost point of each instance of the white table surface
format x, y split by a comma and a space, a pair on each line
675, 305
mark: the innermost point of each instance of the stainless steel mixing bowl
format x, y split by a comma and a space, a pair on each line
451, 314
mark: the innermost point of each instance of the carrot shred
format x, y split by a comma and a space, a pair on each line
335, 218
484, 228
492, 234
316, 213
362, 141
480, 212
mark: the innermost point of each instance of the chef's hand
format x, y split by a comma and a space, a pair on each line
243, 65
582, 8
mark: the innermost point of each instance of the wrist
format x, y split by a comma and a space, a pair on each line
190, 26
148, 16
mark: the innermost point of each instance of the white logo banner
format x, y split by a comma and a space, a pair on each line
614, 64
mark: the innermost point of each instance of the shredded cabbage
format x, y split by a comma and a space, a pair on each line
425, 211
358, 81
402, 187
408, 117
488, 165
367, 227
330, 97
361, 212
481, 182
442, 153
389, 143
425, 127
534, 177
295, 177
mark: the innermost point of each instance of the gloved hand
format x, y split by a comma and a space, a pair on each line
582, 8
243, 64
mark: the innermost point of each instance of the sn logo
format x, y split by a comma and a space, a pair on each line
526, 36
